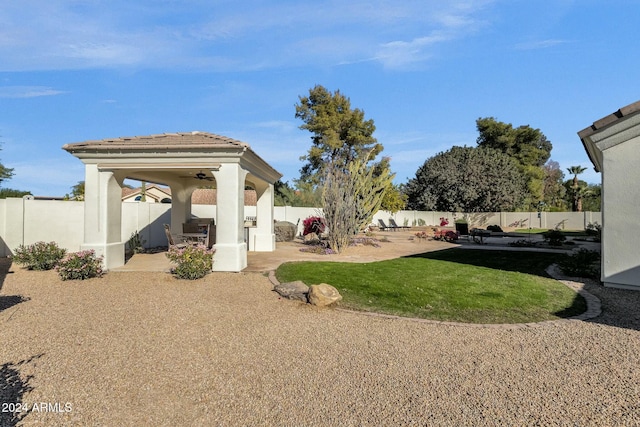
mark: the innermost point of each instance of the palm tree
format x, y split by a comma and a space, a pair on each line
577, 195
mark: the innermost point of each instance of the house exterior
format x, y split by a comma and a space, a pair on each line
613, 145
200, 196
152, 194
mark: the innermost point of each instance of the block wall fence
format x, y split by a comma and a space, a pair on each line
24, 221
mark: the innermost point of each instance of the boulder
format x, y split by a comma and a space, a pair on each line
285, 231
323, 295
293, 290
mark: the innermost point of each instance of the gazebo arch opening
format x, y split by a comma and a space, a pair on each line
184, 162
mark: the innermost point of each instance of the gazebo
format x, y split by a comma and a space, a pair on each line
184, 162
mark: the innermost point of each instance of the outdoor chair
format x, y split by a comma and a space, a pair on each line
396, 226
170, 239
383, 226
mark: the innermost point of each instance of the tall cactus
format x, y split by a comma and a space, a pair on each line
351, 197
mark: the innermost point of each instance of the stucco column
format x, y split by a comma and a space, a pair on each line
103, 216
265, 238
180, 207
231, 250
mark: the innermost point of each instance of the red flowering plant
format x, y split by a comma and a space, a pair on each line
313, 224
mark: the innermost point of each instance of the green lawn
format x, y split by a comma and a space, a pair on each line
476, 286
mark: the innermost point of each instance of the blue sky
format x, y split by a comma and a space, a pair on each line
424, 71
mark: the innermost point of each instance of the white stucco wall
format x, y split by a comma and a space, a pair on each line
29, 221
621, 207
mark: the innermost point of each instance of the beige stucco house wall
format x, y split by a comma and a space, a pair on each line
613, 145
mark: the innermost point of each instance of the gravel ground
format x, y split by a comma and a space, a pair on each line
146, 349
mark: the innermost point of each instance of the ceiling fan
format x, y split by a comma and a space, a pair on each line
201, 176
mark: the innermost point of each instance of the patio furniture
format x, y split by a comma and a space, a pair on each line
396, 226
479, 234
383, 226
170, 239
194, 233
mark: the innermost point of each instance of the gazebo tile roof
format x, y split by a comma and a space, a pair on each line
172, 140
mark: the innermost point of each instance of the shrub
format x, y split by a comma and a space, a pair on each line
582, 263
193, 261
317, 249
594, 230
554, 237
446, 235
495, 228
365, 241
522, 243
313, 224
39, 256
135, 244
80, 266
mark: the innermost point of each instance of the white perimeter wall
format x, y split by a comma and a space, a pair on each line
29, 221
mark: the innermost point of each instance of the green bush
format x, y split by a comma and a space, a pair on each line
80, 266
193, 262
554, 237
582, 263
39, 256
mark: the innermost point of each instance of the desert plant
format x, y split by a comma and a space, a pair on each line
318, 249
554, 237
421, 222
594, 230
39, 256
523, 243
194, 261
135, 243
313, 224
581, 263
80, 266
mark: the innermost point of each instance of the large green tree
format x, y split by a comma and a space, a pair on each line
467, 179
340, 134
554, 189
528, 146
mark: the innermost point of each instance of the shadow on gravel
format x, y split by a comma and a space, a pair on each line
13, 387
620, 307
5, 268
8, 301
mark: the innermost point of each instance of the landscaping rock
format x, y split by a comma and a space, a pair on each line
323, 295
285, 231
297, 290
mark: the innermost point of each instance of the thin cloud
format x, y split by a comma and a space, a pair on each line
198, 35
28, 91
540, 44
